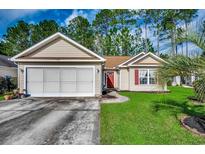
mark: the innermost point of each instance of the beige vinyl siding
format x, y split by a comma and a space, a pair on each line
133, 59
147, 60
8, 71
98, 74
116, 79
124, 79
98, 80
60, 48
21, 77
151, 87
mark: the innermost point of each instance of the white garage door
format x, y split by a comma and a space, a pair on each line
60, 81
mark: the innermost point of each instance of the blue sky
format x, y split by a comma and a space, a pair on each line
10, 17
62, 16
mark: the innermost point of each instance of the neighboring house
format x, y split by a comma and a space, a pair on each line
137, 73
58, 66
185, 81
7, 67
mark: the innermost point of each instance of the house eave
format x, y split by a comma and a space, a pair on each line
145, 65
122, 64
147, 54
55, 60
108, 69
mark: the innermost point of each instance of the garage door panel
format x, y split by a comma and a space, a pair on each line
68, 74
85, 87
68, 87
51, 75
35, 74
51, 87
85, 74
34, 87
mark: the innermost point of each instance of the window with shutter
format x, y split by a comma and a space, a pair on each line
136, 77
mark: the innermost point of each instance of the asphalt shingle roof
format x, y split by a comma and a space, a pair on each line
113, 61
4, 61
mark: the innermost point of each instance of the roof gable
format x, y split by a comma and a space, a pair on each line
148, 59
127, 62
60, 48
57, 46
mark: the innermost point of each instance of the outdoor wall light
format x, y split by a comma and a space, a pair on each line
98, 70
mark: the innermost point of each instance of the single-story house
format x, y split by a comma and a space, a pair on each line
7, 67
59, 66
137, 73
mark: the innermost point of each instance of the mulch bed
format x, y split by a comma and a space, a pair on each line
195, 124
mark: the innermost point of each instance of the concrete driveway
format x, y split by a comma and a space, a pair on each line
49, 121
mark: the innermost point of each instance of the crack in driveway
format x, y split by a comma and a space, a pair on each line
50, 121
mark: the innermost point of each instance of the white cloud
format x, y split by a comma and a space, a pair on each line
92, 14
32, 22
10, 15
74, 14
89, 14
7, 16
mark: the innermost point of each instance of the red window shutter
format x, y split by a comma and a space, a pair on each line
136, 76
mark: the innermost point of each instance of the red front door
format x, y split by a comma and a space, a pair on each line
110, 79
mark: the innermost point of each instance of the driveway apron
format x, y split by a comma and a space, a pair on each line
49, 121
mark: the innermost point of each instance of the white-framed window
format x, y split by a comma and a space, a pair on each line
152, 77
143, 74
147, 76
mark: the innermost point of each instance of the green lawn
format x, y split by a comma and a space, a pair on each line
1, 97
150, 119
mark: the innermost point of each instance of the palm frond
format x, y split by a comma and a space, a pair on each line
192, 37
199, 87
185, 67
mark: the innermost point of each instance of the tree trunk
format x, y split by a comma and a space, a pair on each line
176, 50
182, 48
173, 42
158, 42
187, 48
146, 45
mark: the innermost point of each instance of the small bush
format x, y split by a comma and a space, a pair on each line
7, 84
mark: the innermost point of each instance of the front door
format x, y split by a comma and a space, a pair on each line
110, 79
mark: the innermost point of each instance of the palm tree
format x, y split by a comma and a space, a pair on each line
184, 67
145, 17
187, 16
170, 20
156, 17
193, 37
